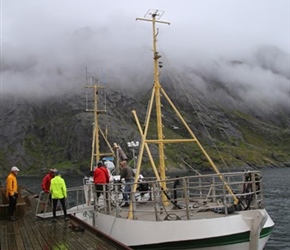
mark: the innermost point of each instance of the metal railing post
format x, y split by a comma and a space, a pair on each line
155, 201
184, 184
225, 199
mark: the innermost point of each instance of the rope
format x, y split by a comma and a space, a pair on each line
175, 204
185, 94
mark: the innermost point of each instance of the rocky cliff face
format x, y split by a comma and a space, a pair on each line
220, 103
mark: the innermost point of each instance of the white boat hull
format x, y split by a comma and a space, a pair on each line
223, 233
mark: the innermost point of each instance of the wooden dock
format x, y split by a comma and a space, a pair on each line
30, 232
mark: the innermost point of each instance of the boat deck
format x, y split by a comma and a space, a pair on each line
147, 213
31, 232
187, 198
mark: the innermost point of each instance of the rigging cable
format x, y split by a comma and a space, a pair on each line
185, 93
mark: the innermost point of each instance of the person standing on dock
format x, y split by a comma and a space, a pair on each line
128, 174
101, 178
58, 192
12, 193
45, 185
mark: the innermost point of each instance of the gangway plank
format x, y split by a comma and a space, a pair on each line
80, 208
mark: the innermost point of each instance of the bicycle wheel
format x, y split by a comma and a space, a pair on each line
143, 195
116, 197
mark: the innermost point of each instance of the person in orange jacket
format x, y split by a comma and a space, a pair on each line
12, 192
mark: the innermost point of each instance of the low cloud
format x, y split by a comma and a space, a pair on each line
51, 57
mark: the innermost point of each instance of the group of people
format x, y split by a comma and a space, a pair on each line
54, 188
102, 177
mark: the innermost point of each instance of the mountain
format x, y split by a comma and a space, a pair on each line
239, 110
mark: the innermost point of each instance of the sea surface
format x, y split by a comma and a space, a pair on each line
277, 200
276, 183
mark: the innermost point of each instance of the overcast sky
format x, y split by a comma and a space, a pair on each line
212, 25
40, 35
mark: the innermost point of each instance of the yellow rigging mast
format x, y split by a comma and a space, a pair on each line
157, 91
97, 131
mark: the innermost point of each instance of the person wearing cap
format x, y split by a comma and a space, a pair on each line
128, 174
58, 193
101, 178
45, 185
12, 192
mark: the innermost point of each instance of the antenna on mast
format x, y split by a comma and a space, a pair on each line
86, 75
157, 14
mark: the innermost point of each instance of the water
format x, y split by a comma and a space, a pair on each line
277, 200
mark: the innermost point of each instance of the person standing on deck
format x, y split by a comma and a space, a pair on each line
128, 174
45, 185
58, 192
12, 193
101, 178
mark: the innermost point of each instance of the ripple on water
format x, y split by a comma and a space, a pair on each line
277, 200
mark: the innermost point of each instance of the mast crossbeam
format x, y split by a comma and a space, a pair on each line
169, 141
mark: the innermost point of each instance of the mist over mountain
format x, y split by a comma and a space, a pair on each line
225, 66
241, 102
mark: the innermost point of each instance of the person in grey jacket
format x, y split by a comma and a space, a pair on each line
128, 174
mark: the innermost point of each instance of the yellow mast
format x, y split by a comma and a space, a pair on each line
97, 131
157, 14
160, 141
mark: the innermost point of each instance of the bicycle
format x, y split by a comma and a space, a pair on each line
142, 195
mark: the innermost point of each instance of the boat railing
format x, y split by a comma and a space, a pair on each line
210, 188
75, 202
187, 194
190, 194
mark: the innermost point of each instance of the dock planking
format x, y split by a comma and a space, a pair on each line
30, 232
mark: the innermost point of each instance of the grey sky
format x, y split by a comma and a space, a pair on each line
40, 35
221, 24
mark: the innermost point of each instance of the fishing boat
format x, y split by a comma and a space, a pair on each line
218, 210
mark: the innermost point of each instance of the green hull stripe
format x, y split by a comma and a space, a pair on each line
266, 232
210, 242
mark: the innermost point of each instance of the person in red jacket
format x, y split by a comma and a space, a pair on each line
101, 178
45, 185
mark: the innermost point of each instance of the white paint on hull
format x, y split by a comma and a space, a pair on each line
136, 232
